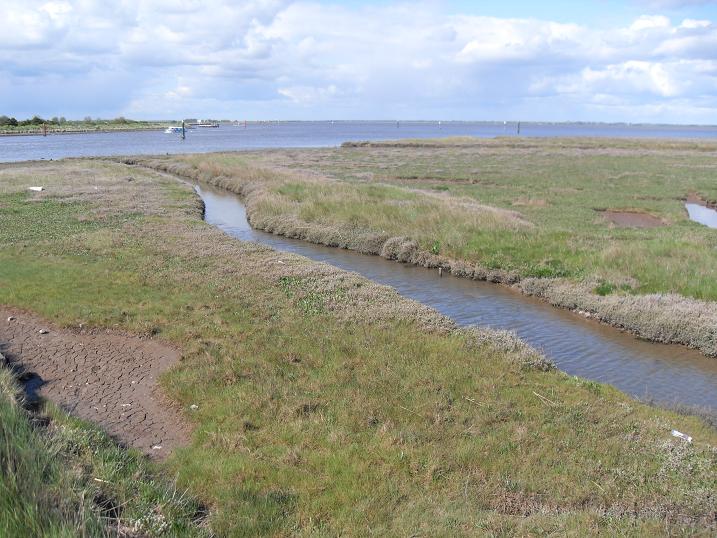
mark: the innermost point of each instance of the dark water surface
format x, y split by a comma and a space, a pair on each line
666, 373
307, 134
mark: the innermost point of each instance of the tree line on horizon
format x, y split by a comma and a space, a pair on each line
9, 121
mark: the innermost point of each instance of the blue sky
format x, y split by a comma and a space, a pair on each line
594, 12
594, 60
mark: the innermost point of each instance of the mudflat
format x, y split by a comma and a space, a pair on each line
107, 378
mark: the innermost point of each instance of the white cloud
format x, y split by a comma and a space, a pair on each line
695, 24
631, 77
649, 22
311, 59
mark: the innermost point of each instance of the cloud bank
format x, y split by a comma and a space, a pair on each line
303, 60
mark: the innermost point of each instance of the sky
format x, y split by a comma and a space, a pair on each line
649, 61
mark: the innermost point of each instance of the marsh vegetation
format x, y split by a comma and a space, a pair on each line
328, 404
526, 212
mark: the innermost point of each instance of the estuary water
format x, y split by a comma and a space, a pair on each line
309, 134
669, 374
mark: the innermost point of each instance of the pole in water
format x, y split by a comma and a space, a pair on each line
184, 135
44, 129
396, 125
244, 124
518, 128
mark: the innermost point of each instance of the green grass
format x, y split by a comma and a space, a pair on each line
23, 220
324, 409
64, 478
420, 190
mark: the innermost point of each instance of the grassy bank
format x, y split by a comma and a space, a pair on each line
329, 405
524, 206
526, 212
62, 477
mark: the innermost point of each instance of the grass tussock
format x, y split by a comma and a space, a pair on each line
325, 407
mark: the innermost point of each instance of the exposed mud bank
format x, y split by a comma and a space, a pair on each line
670, 319
106, 378
694, 198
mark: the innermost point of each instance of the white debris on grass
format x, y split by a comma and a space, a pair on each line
681, 435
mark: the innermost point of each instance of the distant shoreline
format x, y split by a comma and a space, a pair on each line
84, 131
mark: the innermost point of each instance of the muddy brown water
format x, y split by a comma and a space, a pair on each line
669, 374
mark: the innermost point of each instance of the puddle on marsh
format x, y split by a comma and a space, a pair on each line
669, 374
702, 214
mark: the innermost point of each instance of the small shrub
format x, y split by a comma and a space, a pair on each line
548, 269
604, 288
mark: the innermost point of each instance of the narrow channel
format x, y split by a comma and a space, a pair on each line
668, 374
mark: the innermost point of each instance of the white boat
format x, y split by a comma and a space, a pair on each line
203, 123
173, 130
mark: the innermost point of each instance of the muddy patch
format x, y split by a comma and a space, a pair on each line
631, 219
106, 378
